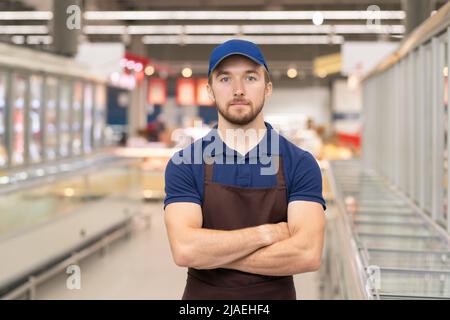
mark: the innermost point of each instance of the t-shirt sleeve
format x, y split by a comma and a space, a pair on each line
180, 184
306, 184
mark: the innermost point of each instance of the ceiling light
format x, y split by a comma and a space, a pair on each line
138, 67
39, 39
239, 15
317, 18
174, 29
292, 73
149, 70
26, 15
186, 72
207, 39
212, 29
18, 39
23, 29
245, 29
104, 29
322, 74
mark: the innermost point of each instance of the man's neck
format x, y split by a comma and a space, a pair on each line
242, 138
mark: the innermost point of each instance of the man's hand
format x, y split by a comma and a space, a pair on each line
272, 233
300, 252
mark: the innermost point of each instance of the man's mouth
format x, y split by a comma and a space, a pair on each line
241, 103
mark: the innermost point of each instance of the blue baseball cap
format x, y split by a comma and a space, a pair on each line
236, 46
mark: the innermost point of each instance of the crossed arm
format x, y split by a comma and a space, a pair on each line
270, 249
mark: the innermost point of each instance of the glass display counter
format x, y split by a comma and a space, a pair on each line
31, 202
411, 254
50, 211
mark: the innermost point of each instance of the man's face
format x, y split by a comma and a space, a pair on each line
239, 89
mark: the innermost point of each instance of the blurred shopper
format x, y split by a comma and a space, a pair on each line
309, 139
241, 224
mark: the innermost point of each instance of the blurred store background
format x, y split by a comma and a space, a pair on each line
96, 96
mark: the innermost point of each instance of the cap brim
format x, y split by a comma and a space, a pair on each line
232, 54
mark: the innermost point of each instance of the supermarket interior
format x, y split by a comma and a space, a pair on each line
98, 96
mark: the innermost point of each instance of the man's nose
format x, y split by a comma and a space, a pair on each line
238, 89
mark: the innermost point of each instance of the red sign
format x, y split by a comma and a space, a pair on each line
135, 58
185, 92
202, 97
157, 91
134, 64
350, 139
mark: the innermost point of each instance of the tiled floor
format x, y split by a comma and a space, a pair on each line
140, 267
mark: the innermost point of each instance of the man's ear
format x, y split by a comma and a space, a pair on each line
268, 89
210, 93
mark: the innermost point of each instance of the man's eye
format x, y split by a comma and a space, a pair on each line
224, 79
252, 78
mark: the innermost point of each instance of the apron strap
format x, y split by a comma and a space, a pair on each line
208, 170
280, 173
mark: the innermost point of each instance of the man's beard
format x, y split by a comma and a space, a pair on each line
241, 120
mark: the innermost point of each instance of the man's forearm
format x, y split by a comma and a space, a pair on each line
279, 259
208, 249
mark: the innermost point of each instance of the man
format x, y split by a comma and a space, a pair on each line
250, 214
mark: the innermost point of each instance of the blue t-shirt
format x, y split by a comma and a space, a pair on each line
184, 175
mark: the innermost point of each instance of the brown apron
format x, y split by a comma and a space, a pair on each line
228, 208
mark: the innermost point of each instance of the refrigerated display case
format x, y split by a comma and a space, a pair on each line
42, 102
88, 110
34, 119
19, 90
78, 204
77, 118
99, 115
64, 118
48, 190
51, 118
3, 102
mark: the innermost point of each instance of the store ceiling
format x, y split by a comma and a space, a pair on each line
315, 41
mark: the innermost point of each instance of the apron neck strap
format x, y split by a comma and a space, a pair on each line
280, 173
208, 169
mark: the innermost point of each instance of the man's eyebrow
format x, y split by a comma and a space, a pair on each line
221, 72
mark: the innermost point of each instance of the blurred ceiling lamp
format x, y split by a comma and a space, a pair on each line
210, 39
186, 72
39, 39
321, 73
22, 29
26, 15
317, 18
138, 67
244, 29
240, 15
105, 29
18, 39
327, 64
149, 70
445, 72
69, 192
292, 73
